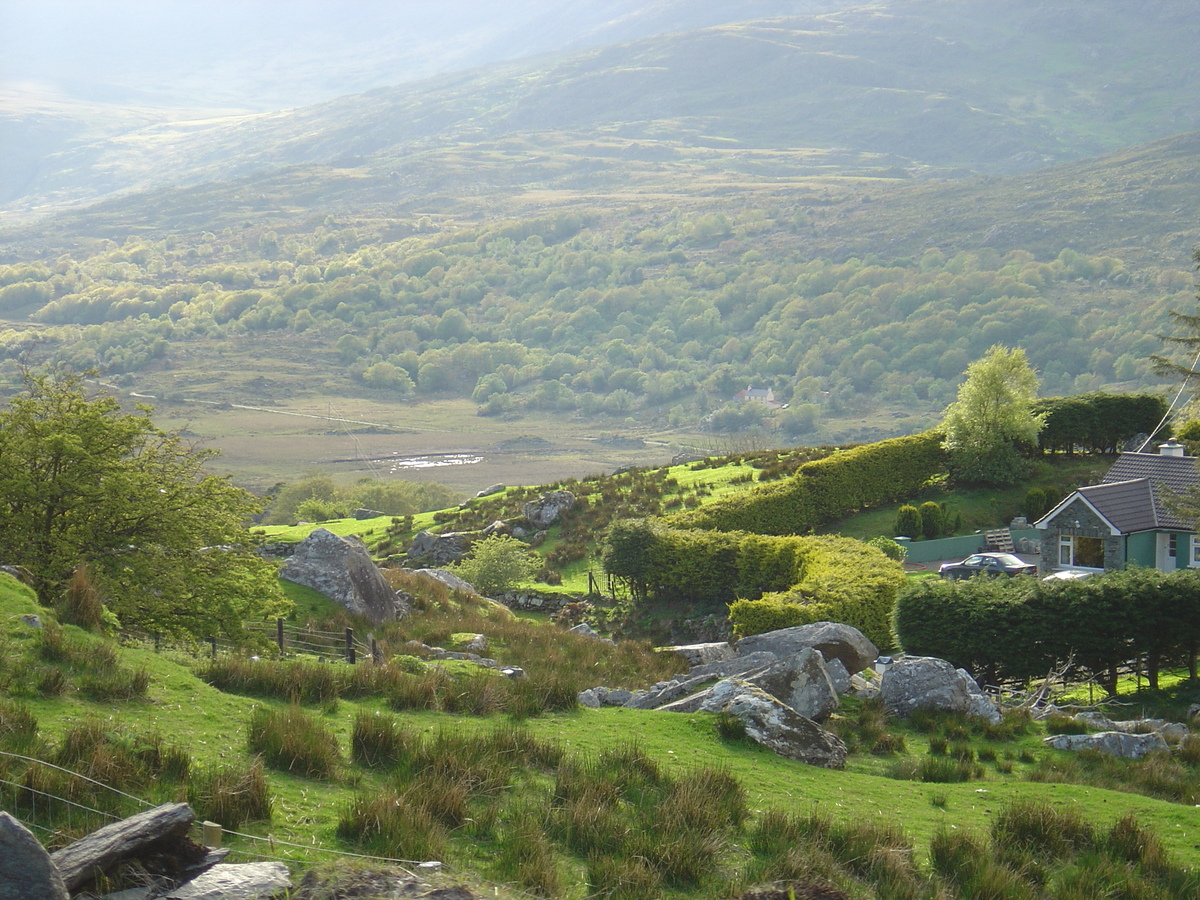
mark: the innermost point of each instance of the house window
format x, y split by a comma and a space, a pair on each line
1195, 554
1088, 552
1173, 546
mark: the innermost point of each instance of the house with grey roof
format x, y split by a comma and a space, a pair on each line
1127, 519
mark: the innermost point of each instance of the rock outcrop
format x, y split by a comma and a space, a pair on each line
93, 855
436, 550
924, 682
833, 639
1111, 743
777, 726
26, 870
342, 569
545, 511
243, 881
802, 682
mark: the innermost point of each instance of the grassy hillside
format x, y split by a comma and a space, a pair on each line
307, 808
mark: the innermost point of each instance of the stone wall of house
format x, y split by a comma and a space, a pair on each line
1090, 525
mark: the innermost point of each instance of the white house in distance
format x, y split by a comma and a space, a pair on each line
765, 396
1126, 519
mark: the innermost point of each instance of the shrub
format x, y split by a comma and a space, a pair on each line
932, 520
497, 564
889, 548
909, 522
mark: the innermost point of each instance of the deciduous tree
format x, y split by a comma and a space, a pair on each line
82, 482
991, 417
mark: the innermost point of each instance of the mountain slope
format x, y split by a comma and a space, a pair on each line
928, 83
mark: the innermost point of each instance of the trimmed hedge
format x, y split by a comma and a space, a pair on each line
827, 489
843, 580
1021, 628
768, 581
1097, 422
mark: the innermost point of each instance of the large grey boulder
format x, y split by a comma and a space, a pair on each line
802, 682
833, 639
1171, 732
702, 654
437, 550
545, 511
342, 569
738, 665
776, 725
1112, 743
25, 867
230, 881
446, 577
924, 682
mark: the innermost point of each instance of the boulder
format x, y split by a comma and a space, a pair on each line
499, 527
832, 639
1112, 743
838, 675
341, 569
1171, 732
80, 862
361, 514
702, 654
588, 699
25, 867
802, 682
776, 725
491, 489
923, 682
437, 550
545, 511
738, 665
448, 578
242, 881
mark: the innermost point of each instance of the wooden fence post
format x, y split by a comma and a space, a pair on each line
212, 642
350, 646
279, 633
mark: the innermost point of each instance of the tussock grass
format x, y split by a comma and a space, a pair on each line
231, 794
295, 741
1158, 774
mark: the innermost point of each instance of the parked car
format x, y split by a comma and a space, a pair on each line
987, 564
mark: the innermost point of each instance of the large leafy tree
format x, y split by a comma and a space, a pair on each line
992, 416
82, 482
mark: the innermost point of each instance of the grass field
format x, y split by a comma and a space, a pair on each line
213, 727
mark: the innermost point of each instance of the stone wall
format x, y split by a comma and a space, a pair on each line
1090, 525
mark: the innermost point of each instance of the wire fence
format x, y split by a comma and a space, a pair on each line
43, 811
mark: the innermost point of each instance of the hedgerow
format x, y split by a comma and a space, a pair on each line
1015, 629
843, 580
827, 489
768, 581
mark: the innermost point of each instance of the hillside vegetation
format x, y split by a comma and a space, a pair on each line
555, 824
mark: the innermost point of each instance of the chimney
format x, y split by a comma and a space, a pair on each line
1170, 448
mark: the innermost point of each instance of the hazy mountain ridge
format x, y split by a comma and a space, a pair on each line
932, 84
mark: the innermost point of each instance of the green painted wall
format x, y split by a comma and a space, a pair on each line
1141, 549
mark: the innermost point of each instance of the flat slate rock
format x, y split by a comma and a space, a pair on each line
245, 881
104, 848
26, 871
